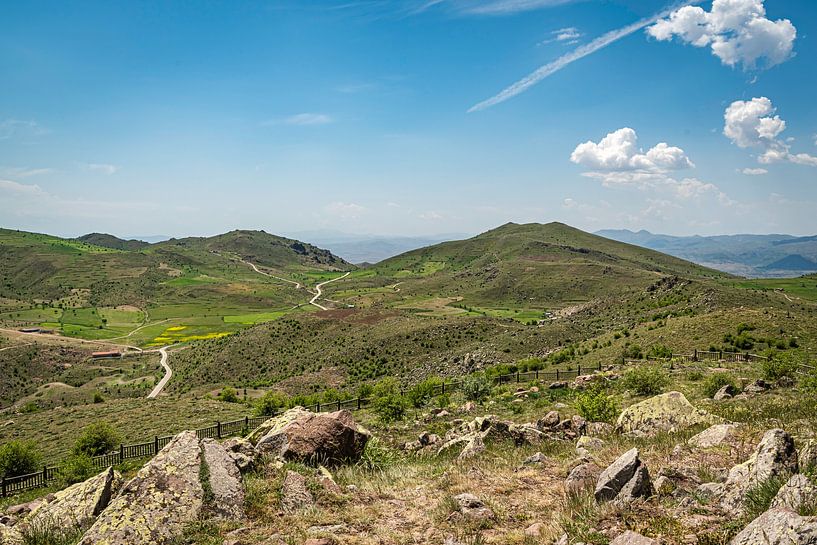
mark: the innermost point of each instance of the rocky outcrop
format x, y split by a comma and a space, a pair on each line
775, 456
79, 504
714, 436
295, 496
303, 436
670, 412
726, 392
186, 480
796, 493
624, 480
778, 527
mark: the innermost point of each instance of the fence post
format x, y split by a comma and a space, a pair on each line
443, 388
695, 355
517, 377
3, 486
317, 406
537, 374
599, 366
218, 429
338, 404
45, 474
155, 444
121, 453
557, 373
720, 355
579, 370
358, 403
247, 422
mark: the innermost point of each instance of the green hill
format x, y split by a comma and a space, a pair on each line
109, 241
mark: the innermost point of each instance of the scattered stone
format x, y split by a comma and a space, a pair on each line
808, 455
299, 435
589, 443
549, 421
625, 479
295, 496
79, 504
631, 538
670, 412
473, 447
582, 476
710, 490
578, 424
757, 387
468, 407
534, 459
726, 392
775, 456
319, 541
558, 385
664, 486
599, 429
778, 527
797, 492
714, 436
473, 507
535, 529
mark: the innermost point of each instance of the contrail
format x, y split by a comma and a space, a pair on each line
580, 52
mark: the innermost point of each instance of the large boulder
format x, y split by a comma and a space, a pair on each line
581, 477
797, 492
714, 436
778, 527
775, 456
303, 436
294, 493
624, 480
168, 493
670, 412
77, 505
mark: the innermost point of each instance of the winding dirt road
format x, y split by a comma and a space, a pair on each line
318, 291
168, 373
259, 271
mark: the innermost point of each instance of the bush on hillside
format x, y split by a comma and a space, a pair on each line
595, 405
660, 351
780, 366
269, 403
421, 393
646, 380
716, 381
389, 408
19, 458
476, 387
228, 395
632, 352
77, 468
96, 439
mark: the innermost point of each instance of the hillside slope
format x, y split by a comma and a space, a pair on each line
109, 241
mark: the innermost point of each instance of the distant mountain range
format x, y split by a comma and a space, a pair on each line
754, 256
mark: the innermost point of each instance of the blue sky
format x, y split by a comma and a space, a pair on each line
184, 118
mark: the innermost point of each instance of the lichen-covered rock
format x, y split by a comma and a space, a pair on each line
714, 436
295, 496
775, 456
807, 455
303, 436
77, 505
589, 443
225, 481
10, 536
778, 527
726, 392
797, 492
154, 506
624, 480
670, 412
632, 538
474, 446
549, 421
582, 476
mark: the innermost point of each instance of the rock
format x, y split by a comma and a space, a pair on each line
757, 387
243, 462
425, 439
558, 385
631, 538
726, 392
535, 529
319, 541
549, 421
295, 496
225, 481
468, 407
797, 492
625, 479
589, 443
77, 505
710, 490
807, 456
526, 434
664, 486
599, 429
239, 444
578, 424
775, 456
670, 412
714, 436
473, 507
475, 445
302, 436
582, 476
10, 536
778, 527
564, 540
534, 459
158, 503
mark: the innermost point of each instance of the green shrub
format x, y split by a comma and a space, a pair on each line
660, 351
421, 393
809, 382
780, 366
228, 395
269, 403
377, 456
716, 381
75, 469
390, 407
476, 387
19, 458
632, 352
386, 387
97, 438
98, 398
595, 405
646, 380
759, 498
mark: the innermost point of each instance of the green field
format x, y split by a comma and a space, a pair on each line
804, 288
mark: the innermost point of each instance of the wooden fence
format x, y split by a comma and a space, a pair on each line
705, 355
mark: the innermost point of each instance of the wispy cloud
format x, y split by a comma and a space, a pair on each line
568, 35
754, 171
302, 120
491, 7
24, 172
101, 168
345, 210
579, 53
10, 128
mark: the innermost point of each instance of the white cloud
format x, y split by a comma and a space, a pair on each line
10, 128
20, 189
24, 172
568, 35
431, 215
753, 124
754, 171
618, 151
101, 168
492, 7
308, 119
344, 210
737, 31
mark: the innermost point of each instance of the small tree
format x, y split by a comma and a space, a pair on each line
228, 395
96, 439
269, 403
476, 387
19, 458
779, 366
646, 380
596, 406
390, 407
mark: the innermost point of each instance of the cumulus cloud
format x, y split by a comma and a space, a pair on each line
618, 151
737, 31
753, 124
102, 168
754, 171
